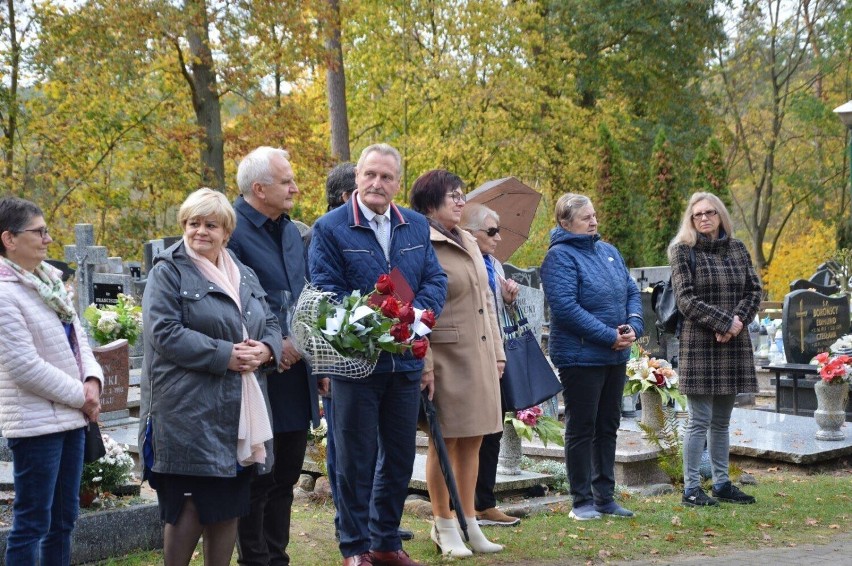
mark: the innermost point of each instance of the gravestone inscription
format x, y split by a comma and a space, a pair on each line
811, 322
652, 341
531, 302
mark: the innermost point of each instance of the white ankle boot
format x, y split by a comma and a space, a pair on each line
445, 533
477, 541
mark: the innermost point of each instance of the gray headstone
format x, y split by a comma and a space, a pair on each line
802, 284
811, 322
529, 277
647, 276
86, 255
531, 302
150, 251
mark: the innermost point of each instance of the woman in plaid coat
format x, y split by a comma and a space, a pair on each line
718, 296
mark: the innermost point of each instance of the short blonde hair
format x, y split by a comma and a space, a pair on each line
207, 202
687, 234
568, 205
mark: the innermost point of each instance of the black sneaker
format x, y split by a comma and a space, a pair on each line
729, 493
698, 499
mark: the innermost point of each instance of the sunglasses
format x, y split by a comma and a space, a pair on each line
491, 231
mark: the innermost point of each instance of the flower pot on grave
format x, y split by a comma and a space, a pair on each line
831, 409
87, 497
509, 460
652, 410
628, 406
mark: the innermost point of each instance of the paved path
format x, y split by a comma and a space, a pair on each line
836, 553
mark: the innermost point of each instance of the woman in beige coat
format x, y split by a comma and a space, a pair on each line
465, 362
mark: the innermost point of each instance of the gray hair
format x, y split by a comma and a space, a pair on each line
687, 234
383, 149
254, 167
474, 216
568, 205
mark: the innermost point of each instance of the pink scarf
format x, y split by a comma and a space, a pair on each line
254, 428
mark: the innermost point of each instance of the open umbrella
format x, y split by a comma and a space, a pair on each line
443, 458
516, 204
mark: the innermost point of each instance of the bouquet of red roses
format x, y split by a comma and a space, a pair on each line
347, 337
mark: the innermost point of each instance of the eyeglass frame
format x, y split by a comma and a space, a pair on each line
457, 196
706, 214
491, 232
44, 231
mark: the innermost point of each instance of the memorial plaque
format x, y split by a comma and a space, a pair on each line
811, 322
529, 277
106, 294
802, 284
115, 362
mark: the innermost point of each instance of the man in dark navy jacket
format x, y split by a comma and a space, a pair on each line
266, 240
375, 418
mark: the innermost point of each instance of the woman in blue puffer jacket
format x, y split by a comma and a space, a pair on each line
596, 315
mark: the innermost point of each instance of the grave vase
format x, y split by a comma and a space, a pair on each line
509, 460
87, 497
831, 409
652, 410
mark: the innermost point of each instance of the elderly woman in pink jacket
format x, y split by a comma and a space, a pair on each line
50, 387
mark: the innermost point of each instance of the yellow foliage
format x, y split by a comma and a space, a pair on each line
798, 257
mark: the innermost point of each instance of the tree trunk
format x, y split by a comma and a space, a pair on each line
336, 86
11, 122
205, 94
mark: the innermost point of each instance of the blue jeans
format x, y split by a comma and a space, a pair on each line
47, 472
375, 425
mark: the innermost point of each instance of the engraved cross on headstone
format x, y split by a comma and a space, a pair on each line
802, 313
86, 255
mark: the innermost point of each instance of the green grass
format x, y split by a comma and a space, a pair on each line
791, 509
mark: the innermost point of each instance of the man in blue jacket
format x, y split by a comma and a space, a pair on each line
267, 241
375, 418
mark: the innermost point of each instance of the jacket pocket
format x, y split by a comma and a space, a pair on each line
444, 336
411, 249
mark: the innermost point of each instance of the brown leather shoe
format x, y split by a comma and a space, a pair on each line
358, 560
392, 558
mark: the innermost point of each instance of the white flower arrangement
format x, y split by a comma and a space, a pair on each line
110, 471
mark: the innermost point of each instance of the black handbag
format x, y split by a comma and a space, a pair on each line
664, 303
528, 378
93, 448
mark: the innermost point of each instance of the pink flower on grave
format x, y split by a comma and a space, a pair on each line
834, 369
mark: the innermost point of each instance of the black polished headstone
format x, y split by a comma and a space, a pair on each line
811, 322
823, 276
529, 277
802, 284
106, 294
652, 340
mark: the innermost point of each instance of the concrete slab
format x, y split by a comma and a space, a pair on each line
783, 438
521, 482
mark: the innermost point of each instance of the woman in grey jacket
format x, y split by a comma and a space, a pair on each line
207, 330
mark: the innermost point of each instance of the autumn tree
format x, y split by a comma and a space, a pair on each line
664, 203
615, 201
710, 173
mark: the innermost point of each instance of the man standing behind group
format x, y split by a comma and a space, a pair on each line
267, 241
350, 247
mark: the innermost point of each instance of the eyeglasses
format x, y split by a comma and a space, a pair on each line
43, 231
493, 231
706, 214
457, 197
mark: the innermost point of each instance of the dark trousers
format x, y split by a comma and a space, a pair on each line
263, 534
489, 451
375, 423
592, 415
330, 457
